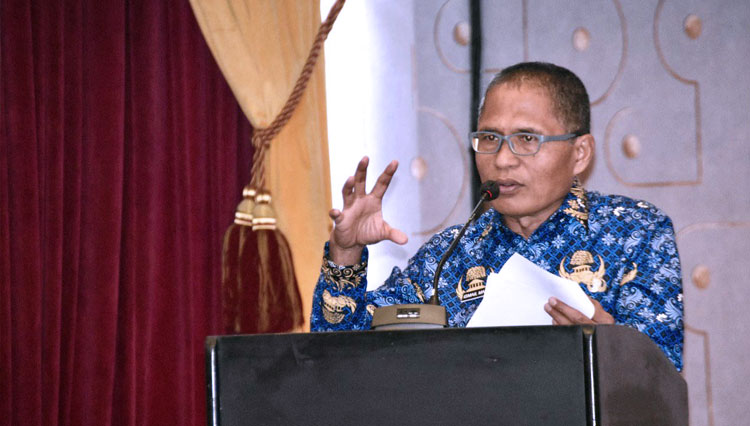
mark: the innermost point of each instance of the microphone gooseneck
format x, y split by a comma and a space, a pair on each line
489, 190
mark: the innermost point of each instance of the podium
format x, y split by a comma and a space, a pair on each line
574, 375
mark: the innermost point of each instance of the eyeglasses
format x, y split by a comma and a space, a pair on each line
520, 143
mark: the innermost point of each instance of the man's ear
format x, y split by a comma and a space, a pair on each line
583, 151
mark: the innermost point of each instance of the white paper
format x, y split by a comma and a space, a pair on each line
516, 295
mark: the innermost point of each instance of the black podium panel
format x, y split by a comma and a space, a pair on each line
578, 375
514, 375
636, 383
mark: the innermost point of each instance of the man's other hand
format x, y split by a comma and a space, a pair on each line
563, 314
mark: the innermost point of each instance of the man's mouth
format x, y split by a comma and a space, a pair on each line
508, 186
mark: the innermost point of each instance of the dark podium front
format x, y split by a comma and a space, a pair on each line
603, 375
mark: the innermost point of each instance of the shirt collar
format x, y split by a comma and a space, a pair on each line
575, 206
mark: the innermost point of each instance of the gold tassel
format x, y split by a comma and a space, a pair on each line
244, 213
278, 284
259, 288
264, 217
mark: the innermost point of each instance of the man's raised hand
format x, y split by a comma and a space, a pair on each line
361, 221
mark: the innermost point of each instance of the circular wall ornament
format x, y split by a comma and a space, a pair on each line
693, 26
631, 146
418, 168
581, 39
701, 276
462, 33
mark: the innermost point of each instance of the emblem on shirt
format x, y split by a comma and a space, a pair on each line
335, 308
471, 286
582, 263
579, 207
630, 276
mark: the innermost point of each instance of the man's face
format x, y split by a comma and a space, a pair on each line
531, 187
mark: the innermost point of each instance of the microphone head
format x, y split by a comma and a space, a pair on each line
489, 190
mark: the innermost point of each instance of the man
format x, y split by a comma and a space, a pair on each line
533, 139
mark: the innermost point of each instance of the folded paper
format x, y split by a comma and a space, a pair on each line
516, 295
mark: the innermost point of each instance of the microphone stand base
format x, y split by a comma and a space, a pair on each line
409, 317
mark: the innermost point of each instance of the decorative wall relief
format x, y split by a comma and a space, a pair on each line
712, 280
591, 39
444, 152
670, 97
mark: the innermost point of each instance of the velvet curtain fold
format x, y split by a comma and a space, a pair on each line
122, 158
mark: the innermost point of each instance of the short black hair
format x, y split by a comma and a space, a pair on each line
565, 89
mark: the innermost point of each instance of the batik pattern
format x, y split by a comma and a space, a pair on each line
621, 251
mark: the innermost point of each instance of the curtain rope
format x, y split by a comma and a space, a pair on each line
262, 137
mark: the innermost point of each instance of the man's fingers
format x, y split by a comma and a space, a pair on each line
575, 316
558, 318
385, 179
360, 176
397, 236
564, 314
600, 315
347, 191
334, 214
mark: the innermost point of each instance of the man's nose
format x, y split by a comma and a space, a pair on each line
505, 157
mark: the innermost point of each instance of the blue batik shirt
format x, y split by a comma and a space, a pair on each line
621, 251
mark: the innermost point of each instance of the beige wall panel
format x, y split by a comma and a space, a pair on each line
670, 92
670, 98
716, 296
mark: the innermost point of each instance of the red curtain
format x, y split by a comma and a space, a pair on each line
122, 158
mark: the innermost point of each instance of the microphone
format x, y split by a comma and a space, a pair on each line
431, 314
489, 190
